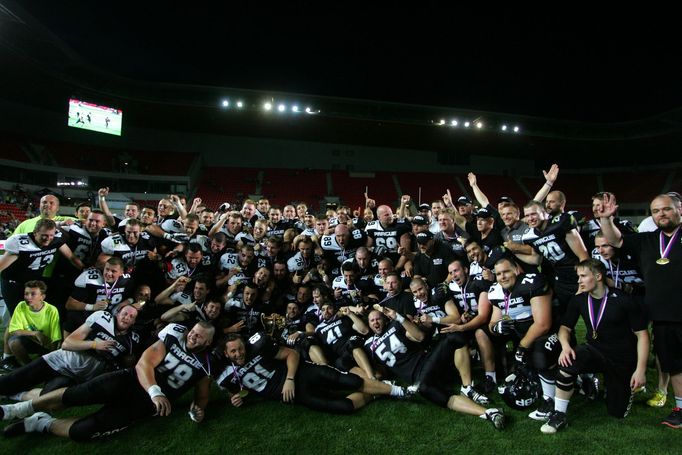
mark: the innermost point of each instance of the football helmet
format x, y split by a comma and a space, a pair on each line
521, 389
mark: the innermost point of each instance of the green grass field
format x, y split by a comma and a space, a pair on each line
385, 426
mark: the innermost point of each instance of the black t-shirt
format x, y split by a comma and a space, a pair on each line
663, 283
622, 316
402, 303
434, 267
466, 297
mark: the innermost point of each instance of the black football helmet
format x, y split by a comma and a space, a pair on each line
521, 389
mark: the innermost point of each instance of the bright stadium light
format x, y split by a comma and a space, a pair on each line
267, 106
516, 129
442, 122
467, 124
308, 110
281, 108
240, 104
226, 103
294, 108
504, 127
454, 123
479, 125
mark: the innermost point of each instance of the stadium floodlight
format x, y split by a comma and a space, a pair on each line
454, 123
504, 128
516, 129
226, 103
308, 110
281, 108
240, 104
442, 122
267, 106
467, 124
294, 108
479, 125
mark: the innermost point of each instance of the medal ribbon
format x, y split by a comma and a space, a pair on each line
208, 364
602, 308
614, 276
666, 252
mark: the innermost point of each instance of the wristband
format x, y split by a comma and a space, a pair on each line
435, 320
290, 379
548, 184
94, 344
155, 391
89, 307
400, 318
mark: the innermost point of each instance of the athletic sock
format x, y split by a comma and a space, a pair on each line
397, 391
493, 375
560, 405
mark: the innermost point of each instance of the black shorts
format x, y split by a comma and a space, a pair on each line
434, 367
668, 345
29, 343
315, 382
124, 402
617, 374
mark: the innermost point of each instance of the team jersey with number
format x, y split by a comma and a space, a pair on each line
262, 373
396, 352
516, 304
230, 261
180, 369
32, 259
335, 332
90, 288
84, 246
130, 254
466, 296
551, 243
178, 267
387, 237
84, 365
336, 253
298, 263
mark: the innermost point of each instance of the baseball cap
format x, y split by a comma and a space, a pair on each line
424, 207
463, 200
483, 213
424, 237
419, 220
505, 199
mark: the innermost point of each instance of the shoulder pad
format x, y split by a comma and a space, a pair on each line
89, 276
176, 331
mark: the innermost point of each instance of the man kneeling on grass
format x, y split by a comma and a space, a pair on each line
260, 366
617, 344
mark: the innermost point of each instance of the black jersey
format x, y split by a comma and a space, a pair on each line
516, 304
131, 255
91, 288
251, 315
588, 231
84, 246
262, 373
103, 328
624, 271
387, 239
177, 267
337, 254
552, 245
395, 351
622, 316
466, 297
336, 332
497, 253
32, 259
180, 369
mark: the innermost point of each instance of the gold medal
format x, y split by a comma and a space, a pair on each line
594, 334
662, 261
242, 393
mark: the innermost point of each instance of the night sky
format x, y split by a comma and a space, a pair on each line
576, 64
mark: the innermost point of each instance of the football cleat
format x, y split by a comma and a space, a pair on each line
557, 421
543, 411
496, 417
474, 396
674, 420
487, 386
658, 400
38, 422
